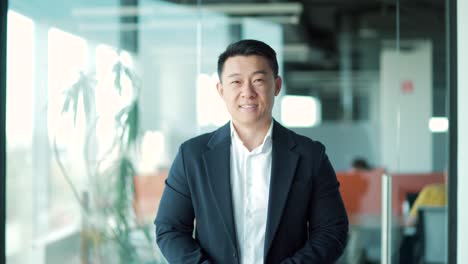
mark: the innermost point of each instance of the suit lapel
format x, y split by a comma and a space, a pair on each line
284, 162
217, 164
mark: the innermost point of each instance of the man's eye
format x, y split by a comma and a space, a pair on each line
258, 80
235, 82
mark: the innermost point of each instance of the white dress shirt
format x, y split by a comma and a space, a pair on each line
250, 182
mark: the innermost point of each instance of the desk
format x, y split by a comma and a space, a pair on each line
365, 238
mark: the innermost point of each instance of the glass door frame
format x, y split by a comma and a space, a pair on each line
3, 51
452, 71
452, 108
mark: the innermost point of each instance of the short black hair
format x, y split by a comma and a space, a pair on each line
249, 47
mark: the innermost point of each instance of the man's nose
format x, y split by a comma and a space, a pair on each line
248, 90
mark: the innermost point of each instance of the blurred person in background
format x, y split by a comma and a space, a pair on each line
430, 195
360, 164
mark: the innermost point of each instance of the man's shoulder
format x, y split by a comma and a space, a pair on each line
202, 142
198, 142
304, 142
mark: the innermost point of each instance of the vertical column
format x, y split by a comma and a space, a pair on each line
406, 107
40, 142
386, 228
452, 109
461, 112
3, 42
129, 27
346, 80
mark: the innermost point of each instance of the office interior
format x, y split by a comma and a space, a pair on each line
100, 95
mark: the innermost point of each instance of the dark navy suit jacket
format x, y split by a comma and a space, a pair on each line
306, 221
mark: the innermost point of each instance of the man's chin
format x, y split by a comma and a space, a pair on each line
246, 121
250, 121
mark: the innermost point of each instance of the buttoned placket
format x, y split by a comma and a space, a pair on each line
249, 208
248, 217
250, 181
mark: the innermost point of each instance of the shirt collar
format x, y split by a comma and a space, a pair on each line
266, 144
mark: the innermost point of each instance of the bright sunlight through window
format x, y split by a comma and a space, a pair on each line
211, 108
20, 77
68, 56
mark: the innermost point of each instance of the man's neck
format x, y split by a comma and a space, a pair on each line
252, 135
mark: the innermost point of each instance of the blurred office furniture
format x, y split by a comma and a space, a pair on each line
362, 195
433, 225
354, 252
410, 198
148, 193
407, 183
362, 190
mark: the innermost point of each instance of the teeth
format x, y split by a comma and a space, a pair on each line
248, 106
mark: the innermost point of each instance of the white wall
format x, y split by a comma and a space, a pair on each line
462, 9
405, 137
345, 141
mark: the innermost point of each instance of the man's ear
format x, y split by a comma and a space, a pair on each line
219, 87
278, 84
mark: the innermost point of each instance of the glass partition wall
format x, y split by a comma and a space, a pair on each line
100, 96
418, 91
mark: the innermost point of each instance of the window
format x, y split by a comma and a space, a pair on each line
300, 111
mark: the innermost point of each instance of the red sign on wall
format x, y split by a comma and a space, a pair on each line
407, 87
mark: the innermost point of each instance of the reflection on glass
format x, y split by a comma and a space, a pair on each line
419, 174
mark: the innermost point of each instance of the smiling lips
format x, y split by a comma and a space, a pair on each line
248, 107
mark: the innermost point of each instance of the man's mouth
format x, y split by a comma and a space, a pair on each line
248, 106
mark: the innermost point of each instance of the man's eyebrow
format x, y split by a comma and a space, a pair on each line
233, 75
260, 72
255, 72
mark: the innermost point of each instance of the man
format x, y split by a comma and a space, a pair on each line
259, 192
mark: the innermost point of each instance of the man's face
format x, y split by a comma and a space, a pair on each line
248, 88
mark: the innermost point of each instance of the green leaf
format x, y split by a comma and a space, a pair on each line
128, 119
84, 86
117, 69
133, 123
88, 92
75, 108
66, 104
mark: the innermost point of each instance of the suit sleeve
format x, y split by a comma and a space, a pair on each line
328, 222
175, 219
